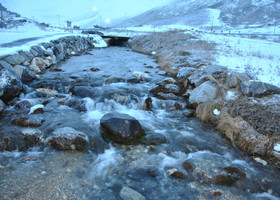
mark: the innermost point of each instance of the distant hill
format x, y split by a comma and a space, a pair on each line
209, 13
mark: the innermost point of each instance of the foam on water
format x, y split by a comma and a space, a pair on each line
265, 196
105, 163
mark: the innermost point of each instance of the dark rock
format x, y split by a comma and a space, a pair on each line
178, 175
32, 121
68, 138
24, 73
148, 104
203, 93
235, 171
121, 128
76, 103
185, 53
258, 89
217, 193
127, 193
94, 69
5, 65
133, 80
2, 106
10, 85
15, 59
83, 91
21, 139
165, 89
187, 166
189, 113
225, 180
31, 137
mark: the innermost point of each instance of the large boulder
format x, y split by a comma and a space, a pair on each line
207, 73
68, 138
10, 85
258, 89
203, 93
120, 128
24, 73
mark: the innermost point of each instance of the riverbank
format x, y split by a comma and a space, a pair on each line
245, 111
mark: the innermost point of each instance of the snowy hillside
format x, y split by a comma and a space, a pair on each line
210, 14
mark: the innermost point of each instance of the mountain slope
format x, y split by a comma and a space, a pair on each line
208, 13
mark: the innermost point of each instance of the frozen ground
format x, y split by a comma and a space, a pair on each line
259, 58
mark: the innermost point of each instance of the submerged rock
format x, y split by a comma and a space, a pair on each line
120, 128
10, 85
258, 89
21, 139
32, 121
127, 193
68, 138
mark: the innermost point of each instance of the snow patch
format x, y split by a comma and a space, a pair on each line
33, 108
216, 112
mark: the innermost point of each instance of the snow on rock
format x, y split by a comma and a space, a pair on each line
141, 76
34, 108
216, 112
10, 85
231, 95
99, 42
259, 160
276, 149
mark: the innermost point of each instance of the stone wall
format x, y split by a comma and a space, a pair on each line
23, 67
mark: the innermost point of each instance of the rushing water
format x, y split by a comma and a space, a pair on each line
43, 173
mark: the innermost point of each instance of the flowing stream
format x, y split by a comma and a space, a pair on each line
207, 166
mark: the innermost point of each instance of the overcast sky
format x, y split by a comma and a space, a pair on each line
58, 11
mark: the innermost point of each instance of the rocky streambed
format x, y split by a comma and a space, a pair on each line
110, 124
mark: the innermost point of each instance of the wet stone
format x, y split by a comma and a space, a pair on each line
226, 180
120, 128
68, 138
187, 166
32, 121
235, 171
94, 69
127, 193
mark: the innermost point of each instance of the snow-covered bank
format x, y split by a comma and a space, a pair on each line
258, 58
22, 38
